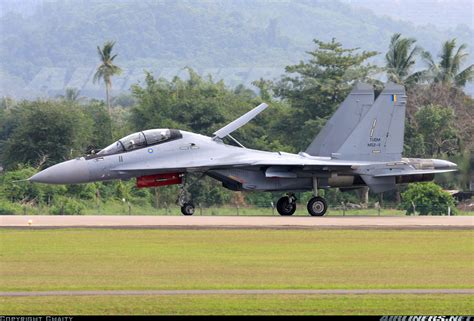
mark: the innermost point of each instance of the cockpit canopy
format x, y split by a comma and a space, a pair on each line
140, 140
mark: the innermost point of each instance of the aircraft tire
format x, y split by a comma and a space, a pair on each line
285, 207
187, 209
317, 206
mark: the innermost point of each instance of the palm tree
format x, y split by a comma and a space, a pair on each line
400, 58
107, 69
447, 71
71, 95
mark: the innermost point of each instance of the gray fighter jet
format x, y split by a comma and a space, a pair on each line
361, 145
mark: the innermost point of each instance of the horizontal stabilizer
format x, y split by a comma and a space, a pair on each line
415, 172
397, 169
239, 122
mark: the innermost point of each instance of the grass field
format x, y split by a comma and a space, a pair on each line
94, 259
243, 304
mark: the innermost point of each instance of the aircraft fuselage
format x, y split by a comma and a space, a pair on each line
198, 153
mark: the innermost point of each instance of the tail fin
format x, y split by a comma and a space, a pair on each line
342, 123
379, 135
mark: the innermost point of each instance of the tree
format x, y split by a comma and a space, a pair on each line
107, 69
24, 193
456, 100
96, 111
427, 198
44, 132
436, 124
315, 88
196, 104
264, 87
448, 70
71, 95
400, 59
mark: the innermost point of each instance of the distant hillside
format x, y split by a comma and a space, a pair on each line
444, 14
54, 47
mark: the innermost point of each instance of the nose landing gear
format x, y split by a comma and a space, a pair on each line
187, 209
184, 198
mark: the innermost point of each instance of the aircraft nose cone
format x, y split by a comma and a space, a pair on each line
70, 172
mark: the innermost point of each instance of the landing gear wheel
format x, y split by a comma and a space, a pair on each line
286, 206
317, 206
187, 209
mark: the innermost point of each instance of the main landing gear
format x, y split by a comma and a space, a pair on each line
286, 205
317, 205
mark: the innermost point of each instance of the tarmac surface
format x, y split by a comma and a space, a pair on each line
236, 292
234, 222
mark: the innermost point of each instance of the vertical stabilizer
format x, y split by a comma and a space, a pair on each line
379, 135
342, 123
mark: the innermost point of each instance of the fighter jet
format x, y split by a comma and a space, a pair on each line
360, 145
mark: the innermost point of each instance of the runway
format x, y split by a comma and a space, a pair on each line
236, 292
234, 222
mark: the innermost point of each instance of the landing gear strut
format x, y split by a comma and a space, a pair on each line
184, 198
286, 205
317, 205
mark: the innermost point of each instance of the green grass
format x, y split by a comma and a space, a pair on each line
102, 259
243, 304
235, 259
